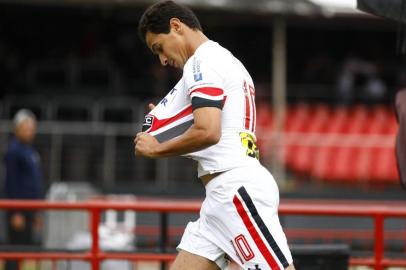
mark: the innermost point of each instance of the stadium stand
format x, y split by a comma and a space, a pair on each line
336, 143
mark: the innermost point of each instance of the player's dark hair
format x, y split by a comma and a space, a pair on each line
156, 18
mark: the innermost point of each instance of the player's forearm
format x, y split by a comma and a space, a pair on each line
194, 139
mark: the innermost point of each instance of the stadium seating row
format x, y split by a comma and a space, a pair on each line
334, 143
320, 141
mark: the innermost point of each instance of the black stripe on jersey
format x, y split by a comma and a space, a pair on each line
198, 102
261, 225
174, 132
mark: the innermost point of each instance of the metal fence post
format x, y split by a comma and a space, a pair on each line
379, 241
94, 230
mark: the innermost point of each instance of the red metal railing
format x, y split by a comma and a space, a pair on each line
378, 211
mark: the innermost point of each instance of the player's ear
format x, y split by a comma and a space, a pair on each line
176, 25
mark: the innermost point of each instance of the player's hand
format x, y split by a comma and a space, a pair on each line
151, 106
145, 144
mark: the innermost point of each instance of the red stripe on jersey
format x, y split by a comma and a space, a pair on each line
254, 112
159, 123
254, 234
247, 108
211, 91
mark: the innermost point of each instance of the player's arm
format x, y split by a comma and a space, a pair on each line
205, 131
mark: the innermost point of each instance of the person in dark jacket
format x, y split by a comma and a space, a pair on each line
23, 180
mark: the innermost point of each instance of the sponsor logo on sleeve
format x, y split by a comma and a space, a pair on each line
164, 101
172, 91
197, 74
197, 77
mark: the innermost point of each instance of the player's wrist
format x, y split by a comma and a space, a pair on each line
156, 151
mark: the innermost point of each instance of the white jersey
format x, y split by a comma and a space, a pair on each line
212, 77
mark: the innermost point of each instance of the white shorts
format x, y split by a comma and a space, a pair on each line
239, 220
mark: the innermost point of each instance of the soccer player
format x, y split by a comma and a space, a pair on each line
209, 116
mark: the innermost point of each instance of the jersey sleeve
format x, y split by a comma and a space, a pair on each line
204, 84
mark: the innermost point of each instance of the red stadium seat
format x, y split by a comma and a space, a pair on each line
297, 117
264, 126
301, 155
364, 164
383, 167
338, 120
319, 120
357, 120
391, 125
264, 115
336, 164
323, 165
345, 160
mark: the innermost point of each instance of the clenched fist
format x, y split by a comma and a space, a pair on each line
145, 145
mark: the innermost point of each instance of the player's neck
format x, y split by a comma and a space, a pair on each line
195, 39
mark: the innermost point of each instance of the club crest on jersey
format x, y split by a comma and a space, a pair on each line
148, 122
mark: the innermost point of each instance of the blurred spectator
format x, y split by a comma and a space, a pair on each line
360, 74
400, 106
23, 181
